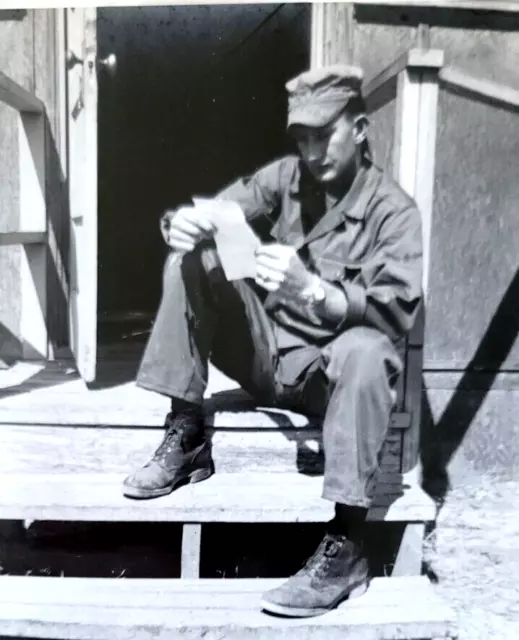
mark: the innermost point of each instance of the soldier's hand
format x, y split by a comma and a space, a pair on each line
280, 269
185, 227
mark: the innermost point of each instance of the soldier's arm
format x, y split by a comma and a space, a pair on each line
259, 195
386, 290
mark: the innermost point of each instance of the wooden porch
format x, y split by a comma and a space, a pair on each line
67, 445
66, 449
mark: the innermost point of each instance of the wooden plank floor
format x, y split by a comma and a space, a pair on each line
51, 470
54, 394
88, 609
225, 497
70, 449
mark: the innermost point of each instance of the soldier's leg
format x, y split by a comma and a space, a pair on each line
203, 316
353, 383
362, 366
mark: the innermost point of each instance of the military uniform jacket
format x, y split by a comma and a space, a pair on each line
369, 244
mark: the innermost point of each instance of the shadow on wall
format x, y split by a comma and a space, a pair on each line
440, 441
10, 347
59, 252
49, 374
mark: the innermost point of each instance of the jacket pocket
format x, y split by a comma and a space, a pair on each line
333, 269
330, 268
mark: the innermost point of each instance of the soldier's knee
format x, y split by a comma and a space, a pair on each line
359, 354
207, 255
204, 257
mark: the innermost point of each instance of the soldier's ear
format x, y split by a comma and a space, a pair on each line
360, 128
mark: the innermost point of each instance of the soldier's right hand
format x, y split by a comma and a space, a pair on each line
185, 227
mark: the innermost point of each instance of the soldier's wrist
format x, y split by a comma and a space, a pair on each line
314, 294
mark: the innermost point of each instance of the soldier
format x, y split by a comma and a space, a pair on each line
338, 284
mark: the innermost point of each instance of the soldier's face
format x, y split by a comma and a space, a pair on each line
329, 151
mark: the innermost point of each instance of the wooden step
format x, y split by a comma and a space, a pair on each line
225, 497
32, 394
60, 449
108, 609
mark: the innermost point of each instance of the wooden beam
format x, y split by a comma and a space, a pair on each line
155, 609
382, 88
386, 76
425, 162
33, 216
409, 558
13, 14
191, 547
225, 497
405, 147
472, 5
17, 97
415, 149
415, 143
420, 58
22, 237
379, 92
493, 93
332, 33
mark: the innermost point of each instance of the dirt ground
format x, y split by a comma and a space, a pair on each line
474, 555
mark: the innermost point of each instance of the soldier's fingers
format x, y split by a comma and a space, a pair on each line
181, 247
266, 273
181, 240
186, 226
269, 285
274, 264
203, 222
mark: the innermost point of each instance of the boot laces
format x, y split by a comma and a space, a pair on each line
318, 565
172, 437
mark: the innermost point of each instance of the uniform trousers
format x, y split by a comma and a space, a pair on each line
349, 382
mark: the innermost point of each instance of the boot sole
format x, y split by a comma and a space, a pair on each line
198, 475
295, 612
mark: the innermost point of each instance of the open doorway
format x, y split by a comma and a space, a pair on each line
197, 100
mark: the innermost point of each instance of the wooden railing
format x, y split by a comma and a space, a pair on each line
31, 231
493, 93
413, 80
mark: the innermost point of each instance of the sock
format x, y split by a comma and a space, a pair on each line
193, 430
348, 519
178, 405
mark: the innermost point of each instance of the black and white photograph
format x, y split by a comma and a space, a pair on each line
259, 320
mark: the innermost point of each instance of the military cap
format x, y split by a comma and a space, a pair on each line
317, 96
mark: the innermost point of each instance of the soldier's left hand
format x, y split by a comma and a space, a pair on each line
280, 269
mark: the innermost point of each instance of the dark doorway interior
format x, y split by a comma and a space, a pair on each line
198, 99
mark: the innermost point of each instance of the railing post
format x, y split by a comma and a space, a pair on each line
31, 330
415, 151
415, 144
33, 217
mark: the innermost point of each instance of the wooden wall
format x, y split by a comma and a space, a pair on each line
28, 50
475, 234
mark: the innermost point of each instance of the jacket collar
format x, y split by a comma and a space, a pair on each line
352, 206
354, 203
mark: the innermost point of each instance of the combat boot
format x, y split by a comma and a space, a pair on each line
184, 456
338, 570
